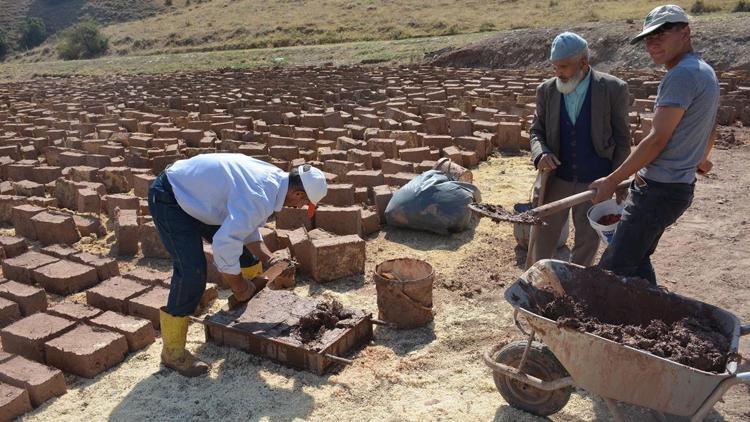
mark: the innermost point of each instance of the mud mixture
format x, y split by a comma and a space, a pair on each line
638, 319
497, 213
326, 316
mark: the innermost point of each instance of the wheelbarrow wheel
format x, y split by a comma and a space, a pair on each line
541, 363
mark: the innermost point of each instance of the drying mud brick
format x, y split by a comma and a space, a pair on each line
365, 178
122, 201
65, 277
88, 225
340, 195
14, 402
41, 381
151, 244
9, 312
292, 218
74, 311
112, 294
138, 332
7, 203
28, 188
115, 179
148, 276
126, 233
370, 222
20, 267
340, 220
55, 228
13, 246
141, 184
105, 267
337, 257
148, 304
27, 336
30, 299
21, 218
59, 251
86, 351
382, 197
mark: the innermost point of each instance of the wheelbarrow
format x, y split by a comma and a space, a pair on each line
539, 376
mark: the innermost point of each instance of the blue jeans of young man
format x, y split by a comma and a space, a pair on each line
650, 208
183, 236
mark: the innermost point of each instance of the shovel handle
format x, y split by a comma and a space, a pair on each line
571, 201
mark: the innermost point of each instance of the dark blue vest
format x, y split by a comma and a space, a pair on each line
580, 162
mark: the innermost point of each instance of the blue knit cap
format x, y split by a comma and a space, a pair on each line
566, 45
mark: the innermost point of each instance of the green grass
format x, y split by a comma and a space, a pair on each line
394, 52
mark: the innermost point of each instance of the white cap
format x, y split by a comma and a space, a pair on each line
314, 182
669, 13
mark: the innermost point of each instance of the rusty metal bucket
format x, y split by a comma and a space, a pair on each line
456, 171
404, 288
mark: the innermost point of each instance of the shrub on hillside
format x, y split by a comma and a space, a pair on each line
3, 46
741, 6
82, 41
33, 33
699, 7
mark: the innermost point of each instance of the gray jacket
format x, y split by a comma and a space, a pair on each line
610, 128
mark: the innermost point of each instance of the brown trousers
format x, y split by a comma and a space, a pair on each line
586, 240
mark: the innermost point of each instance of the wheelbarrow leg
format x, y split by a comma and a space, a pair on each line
614, 410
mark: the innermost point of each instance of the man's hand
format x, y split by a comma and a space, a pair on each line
604, 189
705, 166
548, 162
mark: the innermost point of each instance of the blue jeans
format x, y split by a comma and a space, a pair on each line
649, 210
183, 237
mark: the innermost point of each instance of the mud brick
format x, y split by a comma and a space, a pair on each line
386, 146
21, 218
74, 311
138, 332
382, 197
340, 195
105, 267
425, 166
461, 127
469, 159
14, 402
365, 178
13, 246
9, 312
20, 267
151, 244
437, 125
370, 222
28, 188
399, 179
98, 161
59, 251
46, 174
27, 336
83, 174
508, 136
147, 305
437, 141
86, 351
66, 191
71, 159
270, 238
65, 277
141, 184
292, 218
160, 162
284, 152
357, 155
339, 167
126, 233
361, 195
55, 228
88, 225
415, 155
396, 166
122, 201
453, 153
41, 381
30, 299
475, 144
339, 220
112, 294
148, 276
301, 249
41, 201
337, 257
88, 200
7, 203
115, 179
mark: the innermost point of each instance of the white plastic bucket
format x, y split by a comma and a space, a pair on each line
600, 210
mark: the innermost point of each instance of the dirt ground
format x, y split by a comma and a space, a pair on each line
433, 373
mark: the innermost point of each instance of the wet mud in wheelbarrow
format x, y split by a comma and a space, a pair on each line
635, 314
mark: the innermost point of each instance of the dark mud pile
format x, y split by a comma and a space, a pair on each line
326, 316
497, 213
664, 329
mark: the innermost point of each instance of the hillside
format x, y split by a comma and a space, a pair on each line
245, 24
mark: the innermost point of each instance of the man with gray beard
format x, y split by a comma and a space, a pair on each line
580, 133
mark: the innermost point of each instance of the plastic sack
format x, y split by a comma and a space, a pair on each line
433, 202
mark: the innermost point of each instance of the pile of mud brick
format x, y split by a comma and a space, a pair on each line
42, 338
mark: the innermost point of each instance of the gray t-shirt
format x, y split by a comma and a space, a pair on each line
692, 86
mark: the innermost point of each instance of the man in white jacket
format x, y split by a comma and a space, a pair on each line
224, 199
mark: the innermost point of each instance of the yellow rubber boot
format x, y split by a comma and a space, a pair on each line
173, 353
249, 273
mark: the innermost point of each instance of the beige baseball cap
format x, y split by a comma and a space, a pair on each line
669, 13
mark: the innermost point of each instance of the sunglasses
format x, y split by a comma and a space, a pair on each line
667, 27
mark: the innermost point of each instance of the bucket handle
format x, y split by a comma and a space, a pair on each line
411, 300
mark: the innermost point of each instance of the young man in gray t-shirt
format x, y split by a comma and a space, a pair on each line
667, 159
